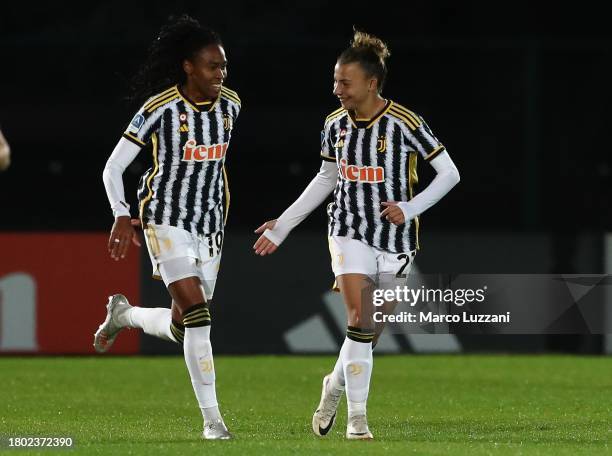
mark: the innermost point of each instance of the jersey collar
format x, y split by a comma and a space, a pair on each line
367, 123
203, 106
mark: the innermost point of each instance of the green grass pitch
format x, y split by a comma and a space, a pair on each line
434, 405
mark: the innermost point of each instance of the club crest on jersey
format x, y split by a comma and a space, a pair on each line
227, 122
184, 127
381, 144
367, 174
199, 153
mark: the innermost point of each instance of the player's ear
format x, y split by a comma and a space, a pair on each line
372, 86
187, 67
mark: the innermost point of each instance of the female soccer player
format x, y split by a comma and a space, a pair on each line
369, 149
188, 116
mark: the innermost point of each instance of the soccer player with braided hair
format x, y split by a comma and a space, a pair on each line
369, 150
187, 115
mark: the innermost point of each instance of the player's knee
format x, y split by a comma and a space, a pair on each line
196, 316
187, 292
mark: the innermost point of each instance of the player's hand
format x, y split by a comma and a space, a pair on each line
393, 213
263, 245
122, 234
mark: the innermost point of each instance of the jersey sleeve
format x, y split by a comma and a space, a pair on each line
424, 141
142, 126
328, 153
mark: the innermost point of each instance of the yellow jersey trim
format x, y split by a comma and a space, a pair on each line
133, 138
334, 117
403, 118
413, 179
230, 91
434, 152
231, 95
153, 174
158, 97
408, 113
337, 111
227, 196
162, 102
384, 111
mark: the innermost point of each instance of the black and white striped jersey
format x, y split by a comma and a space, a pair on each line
377, 162
187, 185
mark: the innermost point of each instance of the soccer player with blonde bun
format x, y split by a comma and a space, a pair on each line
370, 147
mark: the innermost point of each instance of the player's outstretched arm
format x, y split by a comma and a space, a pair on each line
274, 232
122, 232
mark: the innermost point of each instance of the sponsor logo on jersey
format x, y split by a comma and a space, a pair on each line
199, 153
369, 174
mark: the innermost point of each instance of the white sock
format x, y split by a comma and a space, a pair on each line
154, 321
337, 377
357, 364
199, 359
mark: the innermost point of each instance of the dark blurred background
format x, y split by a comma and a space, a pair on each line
518, 92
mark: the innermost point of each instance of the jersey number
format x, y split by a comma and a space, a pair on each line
400, 274
215, 241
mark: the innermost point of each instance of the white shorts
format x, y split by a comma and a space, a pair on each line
177, 254
350, 256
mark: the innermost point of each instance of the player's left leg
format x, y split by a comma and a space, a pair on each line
353, 262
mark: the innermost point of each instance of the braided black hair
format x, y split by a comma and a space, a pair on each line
179, 39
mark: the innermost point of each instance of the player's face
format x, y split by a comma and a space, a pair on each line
351, 85
207, 70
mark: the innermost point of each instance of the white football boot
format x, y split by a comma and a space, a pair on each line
116, 320
357, 428
325, 415
216, 430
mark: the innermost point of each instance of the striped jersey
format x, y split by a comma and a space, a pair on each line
187, 185
377, 162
